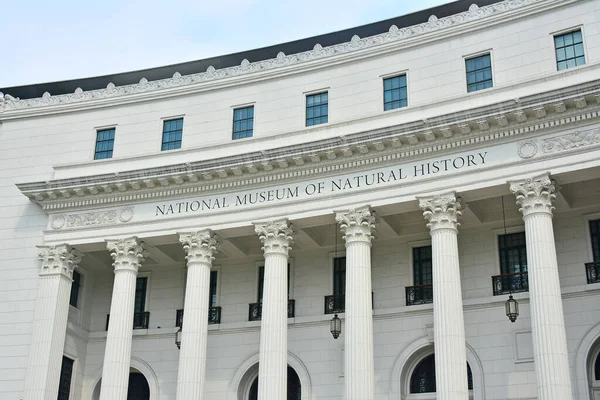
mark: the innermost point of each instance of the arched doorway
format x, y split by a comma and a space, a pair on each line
422, 378
138, 387
294, 388
594, 372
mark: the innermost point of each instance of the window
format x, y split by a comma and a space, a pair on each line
422, 379
339, 276
75, 289
597, 368
64, 384
172, 130
513, 253
105, 141
422, 265
140, 316
479, 73
243, 122
212, 301
317, 109
569, 50
595, 236
394, 92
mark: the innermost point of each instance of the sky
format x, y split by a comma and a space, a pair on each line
46, 41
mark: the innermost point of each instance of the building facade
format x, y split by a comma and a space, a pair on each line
195, 231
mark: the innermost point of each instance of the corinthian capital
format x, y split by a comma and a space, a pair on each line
441, 212
535, 194
276, 236
357, 224
58, 260
200, 247
127, 254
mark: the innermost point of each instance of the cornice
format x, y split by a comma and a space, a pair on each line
319, 56
415, 139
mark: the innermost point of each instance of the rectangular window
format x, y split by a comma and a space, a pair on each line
479, 73
394, 93
317, 109
513, 253
141, 285
569, 50
75, 289
339, 276
212, 300
422, 266
595, 236
105, 141
64, 384
261, 282
243, 122
172, 130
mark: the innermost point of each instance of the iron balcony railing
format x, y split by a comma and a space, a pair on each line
419, 294
140, 320
593, 272
214, 316
510, 283
336, 303
255, 310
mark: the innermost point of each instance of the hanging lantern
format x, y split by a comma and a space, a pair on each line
512, 308
178, 338
335, 326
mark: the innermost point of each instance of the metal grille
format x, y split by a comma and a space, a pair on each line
510, 283
421, 294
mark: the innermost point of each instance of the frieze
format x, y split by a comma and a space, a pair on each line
571, 141
282, 60
79, 220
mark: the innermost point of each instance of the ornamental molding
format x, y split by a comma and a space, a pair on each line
357, 225
394, 35
200, 247
127, 254
382, 146
276, 236
535, 195
571, 141
58, 260
441, 211
79, 220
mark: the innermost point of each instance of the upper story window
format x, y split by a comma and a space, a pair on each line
394, 92
569, 50
212, 300
513, 253
317, 109
171, 138
479, 72
75, 287
339, 276
595, 237
243, 122
422, 266
105, 141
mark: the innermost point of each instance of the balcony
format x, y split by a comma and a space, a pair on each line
214, 316
593, 272
140, 320
420, 294
336, 303
510, 283
255, 310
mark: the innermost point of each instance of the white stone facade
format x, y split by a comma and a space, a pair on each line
447, 170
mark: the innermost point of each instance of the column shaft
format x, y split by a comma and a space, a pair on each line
272, 367
357, 226
551, 357
199, 248
127, 254
50, 323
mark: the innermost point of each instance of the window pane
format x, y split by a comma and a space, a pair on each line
316, 109
479, 73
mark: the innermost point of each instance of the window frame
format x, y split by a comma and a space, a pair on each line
95, 141
499, 232
411, 246
161, 129
217, 269
79, 289
564, 31
239, 107
390, 76
73, 373
305, 106
147, 275
464, 68
586, 218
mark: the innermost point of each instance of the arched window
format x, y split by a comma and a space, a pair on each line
422, 379
293, 384
138, 388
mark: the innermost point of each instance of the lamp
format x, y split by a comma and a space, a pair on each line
512, 308
178, 338
335, 326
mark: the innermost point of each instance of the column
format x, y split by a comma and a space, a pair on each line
536, 197
50, 323
128, 254
442, 213
276, 237
357, 226
200, 248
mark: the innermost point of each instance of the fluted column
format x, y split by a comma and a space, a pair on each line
276, 237
442, 213
536, 197
128, 254
50, 323
358, 226
200, 248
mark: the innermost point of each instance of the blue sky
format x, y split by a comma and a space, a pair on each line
64, 39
